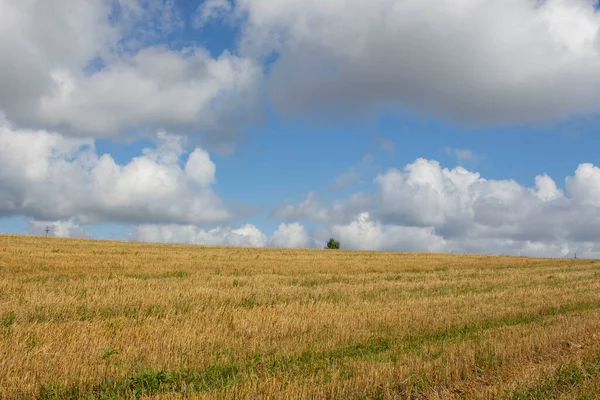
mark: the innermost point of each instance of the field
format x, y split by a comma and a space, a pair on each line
96, 319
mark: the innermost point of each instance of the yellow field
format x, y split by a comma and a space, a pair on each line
95, 319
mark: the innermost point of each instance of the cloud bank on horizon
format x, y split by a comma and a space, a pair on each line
76, 75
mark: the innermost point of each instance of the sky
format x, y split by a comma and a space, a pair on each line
463, 126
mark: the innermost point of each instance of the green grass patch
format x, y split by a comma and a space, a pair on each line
166, 275
145, 383
470, 331
324, 281
151, 382
312, 361
564, 380
7, 320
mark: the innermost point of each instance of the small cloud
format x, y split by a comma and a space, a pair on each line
462, 154
465, 154
212, 10
343, 181
70, 228
346, 179
386, 144
308, 209
366, 160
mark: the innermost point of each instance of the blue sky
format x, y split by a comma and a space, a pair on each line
282, 124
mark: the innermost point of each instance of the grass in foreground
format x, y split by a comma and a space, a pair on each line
94, 319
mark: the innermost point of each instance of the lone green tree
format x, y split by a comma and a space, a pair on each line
333, 244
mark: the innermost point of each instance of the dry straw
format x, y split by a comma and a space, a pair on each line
96, 319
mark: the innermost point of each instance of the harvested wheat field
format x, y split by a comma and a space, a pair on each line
99, 319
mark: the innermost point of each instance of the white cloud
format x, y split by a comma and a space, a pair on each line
366, 234
426, 195
46, 176
200, 168
461, 204
476, 61
246, 235
546, 189
287, 235
462, 155
102, 74
180, 91
429, 208
69, 228
307, 209
211, 10
31, 46
290, 235
386, 144
475, 214
422, 208
585, 185
142, 21
344, 180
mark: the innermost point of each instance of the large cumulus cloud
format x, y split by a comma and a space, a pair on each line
109, 69
476, 61
422, 207
458, 203
427, 207
97, 68
46, 176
